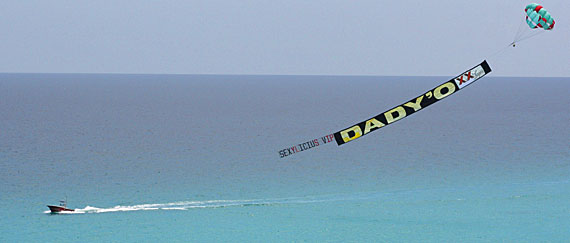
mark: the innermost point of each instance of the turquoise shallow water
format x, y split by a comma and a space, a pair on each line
195, 157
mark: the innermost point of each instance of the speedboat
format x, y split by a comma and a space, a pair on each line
61, 208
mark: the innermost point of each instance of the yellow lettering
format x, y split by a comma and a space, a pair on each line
401, 113
450, 89
416, 106
372, 124
347, 138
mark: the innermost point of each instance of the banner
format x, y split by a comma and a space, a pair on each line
395, 114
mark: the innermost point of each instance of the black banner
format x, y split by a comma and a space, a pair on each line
412, 106
396, 113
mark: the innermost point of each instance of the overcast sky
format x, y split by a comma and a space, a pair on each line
350, 37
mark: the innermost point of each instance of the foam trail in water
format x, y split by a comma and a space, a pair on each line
185, 205
437, 194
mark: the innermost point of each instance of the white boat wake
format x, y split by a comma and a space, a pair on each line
186, 205
430, 194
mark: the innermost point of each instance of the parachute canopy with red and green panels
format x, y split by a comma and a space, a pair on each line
538, 17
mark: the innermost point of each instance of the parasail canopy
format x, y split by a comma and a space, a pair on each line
538, 17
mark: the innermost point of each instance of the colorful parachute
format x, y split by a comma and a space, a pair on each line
537, 16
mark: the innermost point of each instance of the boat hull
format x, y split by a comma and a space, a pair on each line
58, 209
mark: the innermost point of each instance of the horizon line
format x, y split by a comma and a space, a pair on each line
245, 74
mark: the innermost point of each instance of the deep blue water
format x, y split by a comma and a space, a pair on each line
195, 158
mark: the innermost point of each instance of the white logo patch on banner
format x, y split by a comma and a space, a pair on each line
469, 76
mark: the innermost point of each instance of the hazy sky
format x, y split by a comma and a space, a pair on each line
415, 37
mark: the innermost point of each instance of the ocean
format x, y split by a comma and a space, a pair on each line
194, 158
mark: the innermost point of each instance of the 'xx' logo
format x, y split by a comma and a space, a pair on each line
466, 75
